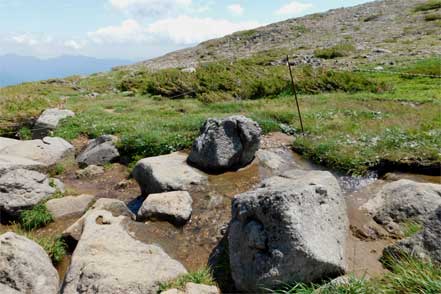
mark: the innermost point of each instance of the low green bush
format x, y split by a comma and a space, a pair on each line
35, 218
246, 80
429, 5
54, 246
432, 16
339, 50
25, 133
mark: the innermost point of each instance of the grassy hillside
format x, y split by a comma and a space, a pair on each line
354, 121
403, 28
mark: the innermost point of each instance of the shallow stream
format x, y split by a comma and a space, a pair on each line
193, 243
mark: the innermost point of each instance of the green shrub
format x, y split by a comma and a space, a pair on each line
246, 80
172, 83
25, 133
202, 276
340, 50
432, 17
56, 170
212, 97
429, 5
372, 17
54, 246
35, 218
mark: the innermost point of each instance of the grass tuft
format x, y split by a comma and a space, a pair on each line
202, 276
35, 218
411, 228
407, 276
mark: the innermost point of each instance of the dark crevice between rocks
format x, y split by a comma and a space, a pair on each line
219, 263
386, 166
12, 129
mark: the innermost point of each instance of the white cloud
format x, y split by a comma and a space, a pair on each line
150, 8
128, 31
189, 30
31, 39
75, 45
182, 30
236, 9
293, 8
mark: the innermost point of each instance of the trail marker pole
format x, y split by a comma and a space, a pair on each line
295, 94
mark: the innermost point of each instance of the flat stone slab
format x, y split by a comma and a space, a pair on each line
116, 207
5, 142
108, 260
167, 173
48, 151
174, 207
9, 163
69, 205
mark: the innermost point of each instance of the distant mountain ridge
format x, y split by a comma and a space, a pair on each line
15, 69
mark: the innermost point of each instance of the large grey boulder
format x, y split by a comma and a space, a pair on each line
404, 199
108, 260
69, 205
48, 151
99, 151
21, 189
167, 173
226, 144
118, 208
426, 244
25, 267
49, 121
293, 229
9, 163
174, 207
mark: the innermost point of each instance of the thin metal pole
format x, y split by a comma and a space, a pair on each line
295, 94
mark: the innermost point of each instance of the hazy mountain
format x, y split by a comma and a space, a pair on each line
16, 69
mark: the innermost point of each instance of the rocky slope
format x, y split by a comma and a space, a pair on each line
408, 34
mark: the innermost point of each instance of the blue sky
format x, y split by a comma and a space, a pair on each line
136, 29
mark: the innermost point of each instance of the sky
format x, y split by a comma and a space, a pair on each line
136, 29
